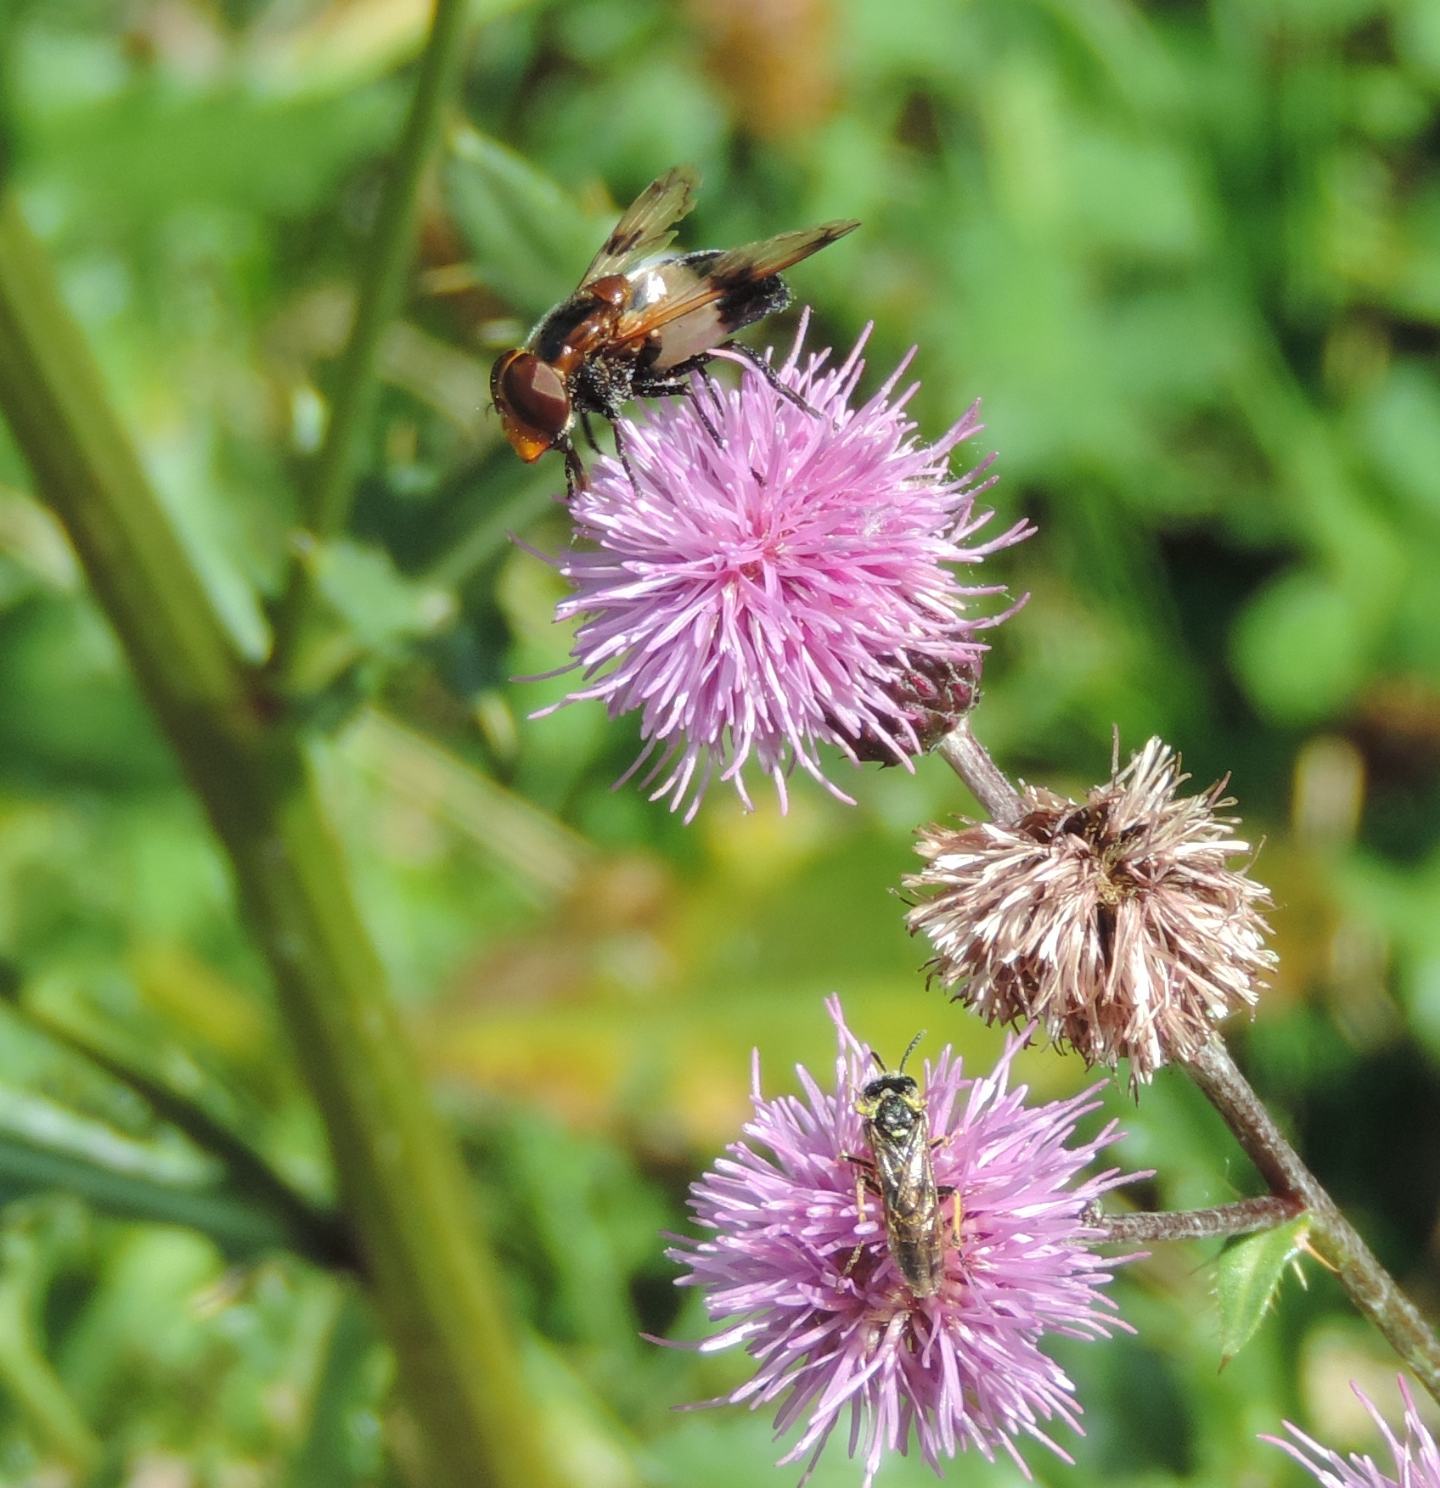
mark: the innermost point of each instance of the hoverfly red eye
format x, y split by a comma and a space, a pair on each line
534, 391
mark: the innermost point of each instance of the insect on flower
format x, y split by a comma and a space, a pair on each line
641, 321
844, 1350
898, 1130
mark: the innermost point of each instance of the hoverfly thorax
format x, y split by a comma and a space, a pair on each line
897, 1127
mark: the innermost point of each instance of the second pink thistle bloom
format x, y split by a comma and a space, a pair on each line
1415, 1454
790, 585
804, 1279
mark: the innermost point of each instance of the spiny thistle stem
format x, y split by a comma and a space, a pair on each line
974, 764
1242, 1218
1373, 1290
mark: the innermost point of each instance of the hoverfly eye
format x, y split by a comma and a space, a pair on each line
535, 391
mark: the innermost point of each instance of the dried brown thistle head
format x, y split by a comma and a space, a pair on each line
1115, 922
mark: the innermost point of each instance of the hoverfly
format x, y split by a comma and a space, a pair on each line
899, 1169
641, 322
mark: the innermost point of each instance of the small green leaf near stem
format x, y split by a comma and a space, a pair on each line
1372, 1289
1248, 1278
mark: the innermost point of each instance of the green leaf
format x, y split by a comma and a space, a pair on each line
530, 238
1301, 647
46, 1148
157, 143
247, 1174
379, 606
345, 1387
1247, 1278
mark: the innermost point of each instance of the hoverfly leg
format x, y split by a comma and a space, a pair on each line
678, 381
589, 430
770, 375
574, 470
687, 390
622, 456
684, 374
704, 416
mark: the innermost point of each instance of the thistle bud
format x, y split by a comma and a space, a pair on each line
931, 694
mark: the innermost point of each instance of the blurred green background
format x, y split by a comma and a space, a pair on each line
1189, 256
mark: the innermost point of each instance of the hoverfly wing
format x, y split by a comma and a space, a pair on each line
647, 225
699, 299
760, 260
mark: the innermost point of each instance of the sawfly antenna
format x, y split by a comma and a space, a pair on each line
909, 1051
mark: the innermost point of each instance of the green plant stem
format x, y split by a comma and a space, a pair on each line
401, 1185
1372, 1289
28, 1377
328, 489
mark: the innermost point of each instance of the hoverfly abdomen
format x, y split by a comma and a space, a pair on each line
898, 1130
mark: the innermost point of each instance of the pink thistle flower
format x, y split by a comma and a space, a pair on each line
1116, 922
1416, 1458
805, 1279
789, 585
